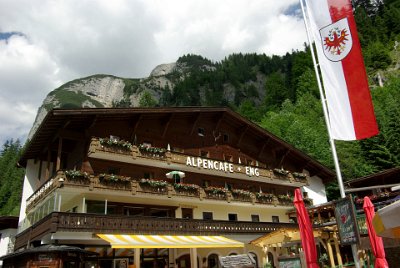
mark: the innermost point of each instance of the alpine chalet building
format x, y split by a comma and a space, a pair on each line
159, 187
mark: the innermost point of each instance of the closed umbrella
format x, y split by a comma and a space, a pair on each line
176, 175
306, 231
376, 241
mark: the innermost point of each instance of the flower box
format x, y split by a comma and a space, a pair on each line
281, 171
113, 178
76, 174
153, 183
152, 151
265, 197
116, 143
285, 199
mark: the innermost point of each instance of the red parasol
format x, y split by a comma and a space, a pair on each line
306, 232
376, 241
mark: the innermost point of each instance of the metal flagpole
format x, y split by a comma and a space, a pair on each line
326, 116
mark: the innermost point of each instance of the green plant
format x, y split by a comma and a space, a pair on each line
241, 192
115, 143
76, 174
299, 175
152, 150
216, 190
281, 171
113, 178
285, 198
153, 183
187, 187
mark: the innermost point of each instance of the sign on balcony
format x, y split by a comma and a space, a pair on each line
220, 166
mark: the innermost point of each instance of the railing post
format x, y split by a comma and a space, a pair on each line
135, 151
134, 186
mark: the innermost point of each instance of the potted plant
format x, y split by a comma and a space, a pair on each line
116, 143
281, 171
153, 183
76, 174
240, 193
216, 190
113, 178
186, 187
265, 197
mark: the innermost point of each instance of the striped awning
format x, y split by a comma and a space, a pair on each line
169, 241
387, 221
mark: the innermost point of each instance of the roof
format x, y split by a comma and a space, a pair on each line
57, 119
388, 175
8, 222
48, 248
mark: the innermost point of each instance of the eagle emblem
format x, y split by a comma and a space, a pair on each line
336, 40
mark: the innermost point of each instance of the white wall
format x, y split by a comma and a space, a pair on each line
6, 236
31, 183
316, 190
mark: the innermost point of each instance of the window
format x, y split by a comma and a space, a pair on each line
204, 154
228, 158
113, 170
187, 213
159, 212
226, 138
275, 218
206, 183
207, 215
255, 218
134, 211
232, 217
96, 207
200, 132
229, 186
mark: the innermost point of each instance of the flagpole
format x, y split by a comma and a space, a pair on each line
326, 116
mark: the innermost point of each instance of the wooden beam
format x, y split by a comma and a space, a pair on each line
243, 131
58, 164
169, 120
283, 157
263, 147
196, 121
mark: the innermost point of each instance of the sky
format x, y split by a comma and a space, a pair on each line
46, 43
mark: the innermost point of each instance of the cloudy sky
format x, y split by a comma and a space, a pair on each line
46, 43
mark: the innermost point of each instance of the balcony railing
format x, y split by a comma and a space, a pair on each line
96, 223
131, 153
147, 187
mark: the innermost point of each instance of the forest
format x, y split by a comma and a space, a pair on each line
287, 103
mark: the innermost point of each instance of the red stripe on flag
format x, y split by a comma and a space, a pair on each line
364, 121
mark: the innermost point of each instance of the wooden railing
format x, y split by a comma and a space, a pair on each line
97, 223
133, 152
135, 187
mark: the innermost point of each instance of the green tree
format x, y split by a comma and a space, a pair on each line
147, 100
11, 178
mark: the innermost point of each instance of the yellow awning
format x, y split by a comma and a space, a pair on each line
169, 241
386, 221
280, 237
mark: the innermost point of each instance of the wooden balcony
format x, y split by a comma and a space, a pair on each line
143, 188
161, 158
98, 223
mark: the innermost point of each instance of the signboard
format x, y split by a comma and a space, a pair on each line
346, 221
290, 263
237, 261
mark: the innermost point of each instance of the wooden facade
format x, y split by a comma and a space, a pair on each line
92, 171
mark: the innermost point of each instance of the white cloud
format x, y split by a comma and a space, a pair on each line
65, 40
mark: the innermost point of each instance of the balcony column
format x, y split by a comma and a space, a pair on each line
193, 258
330, 253
58, 165
338, 256
137, 257
47, 172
